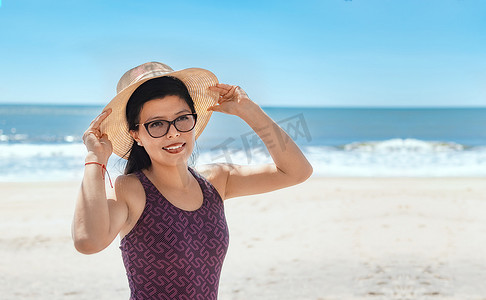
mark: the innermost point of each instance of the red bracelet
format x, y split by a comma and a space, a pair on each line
103, 167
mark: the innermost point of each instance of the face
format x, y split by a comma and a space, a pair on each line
168, 108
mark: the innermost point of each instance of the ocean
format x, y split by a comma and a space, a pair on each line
43, 142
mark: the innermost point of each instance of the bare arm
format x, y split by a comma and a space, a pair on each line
97, 220
289, 166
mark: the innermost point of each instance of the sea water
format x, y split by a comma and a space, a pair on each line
44, 142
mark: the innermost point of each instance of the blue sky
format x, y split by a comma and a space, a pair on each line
283, 53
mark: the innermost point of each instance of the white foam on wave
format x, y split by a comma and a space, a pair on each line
391, 158
399, 158
15, 151
404, 146
43, 162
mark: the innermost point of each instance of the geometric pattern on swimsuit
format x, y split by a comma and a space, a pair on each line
176, 254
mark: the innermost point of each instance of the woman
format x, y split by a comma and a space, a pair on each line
169, 216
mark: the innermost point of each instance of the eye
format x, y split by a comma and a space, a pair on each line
183, 118
157, 124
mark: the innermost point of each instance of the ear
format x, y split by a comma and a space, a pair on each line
134, 134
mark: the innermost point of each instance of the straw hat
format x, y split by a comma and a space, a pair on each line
196, 80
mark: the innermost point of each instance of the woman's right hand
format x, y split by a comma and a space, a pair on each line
98, 144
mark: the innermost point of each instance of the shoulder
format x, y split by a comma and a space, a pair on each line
127, 186
216, 174
215, 171
123, 180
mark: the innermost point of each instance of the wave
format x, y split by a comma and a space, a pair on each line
399, 158
20, 138
390, 158
404, 146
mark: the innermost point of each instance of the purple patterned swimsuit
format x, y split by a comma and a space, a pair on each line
176, 254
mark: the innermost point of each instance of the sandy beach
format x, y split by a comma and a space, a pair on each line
328, 238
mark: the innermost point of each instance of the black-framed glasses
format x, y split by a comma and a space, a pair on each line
159, 128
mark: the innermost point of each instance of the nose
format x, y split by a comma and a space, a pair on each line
173, 132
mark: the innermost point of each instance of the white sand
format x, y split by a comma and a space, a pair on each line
327, 238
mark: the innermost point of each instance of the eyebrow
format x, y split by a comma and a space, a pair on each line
164, 117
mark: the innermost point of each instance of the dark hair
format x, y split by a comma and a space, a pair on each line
138, 158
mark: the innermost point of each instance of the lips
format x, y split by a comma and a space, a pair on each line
175, 148
173, 145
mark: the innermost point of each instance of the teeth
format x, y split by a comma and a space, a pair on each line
172, 148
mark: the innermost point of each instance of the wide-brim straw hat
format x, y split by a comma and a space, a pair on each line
196, 80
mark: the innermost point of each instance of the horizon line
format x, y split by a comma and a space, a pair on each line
279, 106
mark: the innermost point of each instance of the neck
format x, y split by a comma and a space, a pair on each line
176, 177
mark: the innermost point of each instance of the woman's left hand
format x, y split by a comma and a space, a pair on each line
232, 100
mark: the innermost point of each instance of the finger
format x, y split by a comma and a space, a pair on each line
220, 88
231, 92
226, 98
101, 115
214, 108
90, 132
220, 91
104, 138
86, 135
230, 95
97, 121
101, 118
224, 86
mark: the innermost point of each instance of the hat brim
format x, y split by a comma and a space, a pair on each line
197, 82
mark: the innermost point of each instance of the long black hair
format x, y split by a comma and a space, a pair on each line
138, 158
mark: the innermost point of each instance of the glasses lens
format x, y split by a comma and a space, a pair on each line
185, 123
158, 128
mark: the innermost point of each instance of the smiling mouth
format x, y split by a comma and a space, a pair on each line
175, 149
